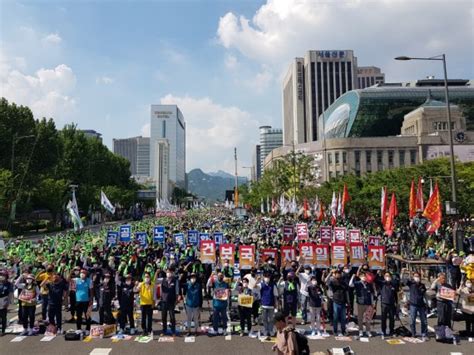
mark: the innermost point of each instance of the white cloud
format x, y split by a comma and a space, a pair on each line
212, 132
47, 92
261, 81
377, 30
52, 38
231, 62
106, 80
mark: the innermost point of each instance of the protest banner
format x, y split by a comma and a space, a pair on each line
326, 234
221, 294
218, 238
447, 293
322, 256
179, 239
208, 251
226, 252
125, 233
376, 256
159, 234
141, 238
288, 253
374, 240
356, 254
245, 301
308, 253
338, 254
354, 235
288, 233
340, 234
267, 253
204, 236
302, 232
247, 256
193, 237
112, 238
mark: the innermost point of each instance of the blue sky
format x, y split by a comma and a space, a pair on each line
101, 64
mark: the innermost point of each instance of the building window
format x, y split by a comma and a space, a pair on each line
368, 157
379, 160
412, 157
337, 157
329, 158
338, 173
331, 174
390, 158
401, 157
344, 157
357, 156
163, 129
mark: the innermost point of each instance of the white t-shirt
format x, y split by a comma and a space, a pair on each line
304, 280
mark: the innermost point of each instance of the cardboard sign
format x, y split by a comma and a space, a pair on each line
376, 257
245, 301
208, 251
247, 256
266, 253
374, 240
302, 231
112, 238
219, 238
179, 239
125, 233
193, 237
322, 256
204, 236
141, 237
159, 234
288, 233
326, 234
340, 234
226, 251
221, 294
354, 235
308, 253
338, 254
447, 293
288, 253
357, 255
103, 331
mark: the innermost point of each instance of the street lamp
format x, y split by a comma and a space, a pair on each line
442, 57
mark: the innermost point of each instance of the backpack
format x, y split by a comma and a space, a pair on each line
302, 341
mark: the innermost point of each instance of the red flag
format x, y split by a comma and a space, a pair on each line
305, 209
345, 198
419, 196
383, 205
412, 202
392, 212
433, 210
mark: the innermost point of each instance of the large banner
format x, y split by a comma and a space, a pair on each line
266, 253
247, 256
322, 256
141, 238
159, 234
376, 257
179, 239
326, 234
357, 256
193, 237
338, 254
354, 236
302, 232
288, 253
226, 252
288, 232
112, 238
208, 251
374, 240
308, 253
219, 238
125, 233
340, 234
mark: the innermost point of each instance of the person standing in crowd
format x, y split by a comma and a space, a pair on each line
84, 297
286, 342
417, 304
315, 302
269, 300
290, 291
106, 295
364, 296
193, 303
304, 278
6, 298
245, 312
126, 298
219, 303
29, 298
169, 297
466, 293
388, 290
57, 291
48, 274
339, 289
444, 306
72, 292
146, 291
20, 284
252, 280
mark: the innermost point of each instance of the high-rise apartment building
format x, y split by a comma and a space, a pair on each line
137, 151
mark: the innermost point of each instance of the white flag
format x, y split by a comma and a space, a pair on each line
74, 212
334, 206
262, 209
104, 201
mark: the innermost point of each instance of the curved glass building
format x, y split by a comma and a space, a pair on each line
379, 111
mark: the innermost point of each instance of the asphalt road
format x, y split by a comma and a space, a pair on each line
216, 345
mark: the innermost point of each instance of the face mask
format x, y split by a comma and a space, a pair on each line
270, 262
314, 282
2, 278
346, 271
169, 275
147, 280
363, 279
245, 285
106, 280
83, 276
307, 272
29, 281
193, 280
128, 282
226, 264
267, 280
388, 279
76, 272
416, 279
468, 284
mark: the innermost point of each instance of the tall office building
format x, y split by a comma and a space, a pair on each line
162, 169
310, 86
270, 138
368, 76
90, 133
256, 172
167, 122
137, 151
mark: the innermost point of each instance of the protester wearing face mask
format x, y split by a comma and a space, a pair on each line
72, 292
48, 274
339, 288
126, 298
219, 304
84, 297
388, 290
106, 295
6, 298
29, 298
290, 291
269, 300
417, 304
193, 303
466, 293
146, 291
315, 302
169, 297
245, 310
304, 278
57, 291
365, 295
